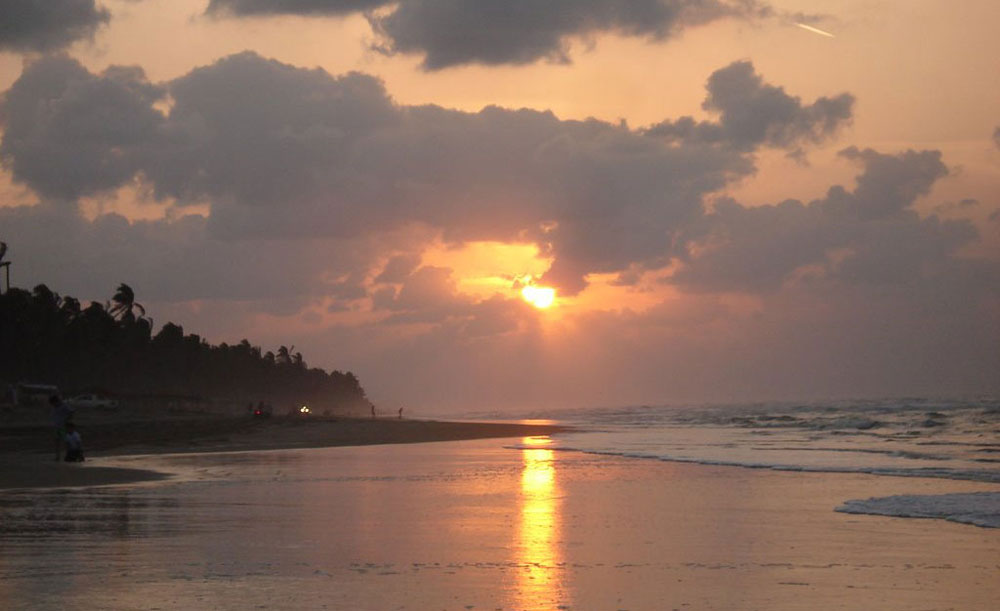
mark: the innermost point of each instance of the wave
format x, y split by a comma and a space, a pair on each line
983, 475
977, 508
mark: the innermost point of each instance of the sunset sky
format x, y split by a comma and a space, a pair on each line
723, 200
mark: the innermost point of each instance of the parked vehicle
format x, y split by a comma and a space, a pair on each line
33, 394
93, 401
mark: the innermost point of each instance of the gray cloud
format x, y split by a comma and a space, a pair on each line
178, 260
868, 235
455, 32
284, 152
245, 8
43, 25
69, 133
753, 113
321, 191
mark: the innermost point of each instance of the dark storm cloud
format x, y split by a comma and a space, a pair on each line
291, 7
284, 152
869, 235
753, 113
43, 25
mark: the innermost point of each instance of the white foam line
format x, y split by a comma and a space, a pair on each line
976, 476
976, 508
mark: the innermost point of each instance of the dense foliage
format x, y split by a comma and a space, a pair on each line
45, 338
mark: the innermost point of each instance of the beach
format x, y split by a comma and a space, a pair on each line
481, 524
351, 513
24, 448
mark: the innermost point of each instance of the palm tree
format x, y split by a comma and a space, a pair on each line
284, 355
124, 304
5, 265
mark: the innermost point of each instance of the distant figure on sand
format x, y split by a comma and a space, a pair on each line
401, 413
373, 411
61, 415
74, 445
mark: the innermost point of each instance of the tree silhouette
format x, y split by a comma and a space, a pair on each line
5, 264
125, 303
46, 338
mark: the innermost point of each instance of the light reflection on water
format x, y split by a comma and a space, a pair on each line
540, 556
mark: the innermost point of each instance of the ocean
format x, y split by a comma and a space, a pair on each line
616, 514
951, 439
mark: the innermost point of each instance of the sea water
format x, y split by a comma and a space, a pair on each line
953, 439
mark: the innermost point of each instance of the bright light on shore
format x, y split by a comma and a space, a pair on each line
539, 296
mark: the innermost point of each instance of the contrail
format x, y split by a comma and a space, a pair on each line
815, 30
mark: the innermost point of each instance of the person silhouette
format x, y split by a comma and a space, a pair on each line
61, 415
74, 445
401, 413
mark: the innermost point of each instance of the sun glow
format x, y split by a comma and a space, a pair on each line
539, 296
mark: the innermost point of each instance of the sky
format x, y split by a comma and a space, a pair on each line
729, 200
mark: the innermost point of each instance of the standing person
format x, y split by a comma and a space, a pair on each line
61, 414
74, 445
401, 413
373, 411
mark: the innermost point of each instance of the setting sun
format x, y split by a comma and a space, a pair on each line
539, 296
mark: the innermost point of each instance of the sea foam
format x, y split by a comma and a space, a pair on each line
911, 437
978, 508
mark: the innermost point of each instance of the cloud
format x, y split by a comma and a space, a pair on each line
70, 133
868, 235
177, 260
753, 113
398, 268
890, 183
426, 289
321, 193
454, 32
244, 8
282, 152
44, 25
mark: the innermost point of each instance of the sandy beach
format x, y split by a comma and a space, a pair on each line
481, 524
25, 450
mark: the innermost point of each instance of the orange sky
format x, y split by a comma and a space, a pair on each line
924, 78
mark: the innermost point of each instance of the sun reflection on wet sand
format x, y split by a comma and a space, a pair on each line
539, 555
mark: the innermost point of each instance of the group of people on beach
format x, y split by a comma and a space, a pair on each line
400, 412
69, 444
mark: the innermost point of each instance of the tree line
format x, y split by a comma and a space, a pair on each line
51, 339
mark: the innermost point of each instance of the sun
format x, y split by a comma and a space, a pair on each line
539, 296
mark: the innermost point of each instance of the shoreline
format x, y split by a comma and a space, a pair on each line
476, 525
26, 462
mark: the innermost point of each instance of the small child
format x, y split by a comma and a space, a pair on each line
74, 445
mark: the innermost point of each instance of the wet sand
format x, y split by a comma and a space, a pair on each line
25, 451
477, 525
